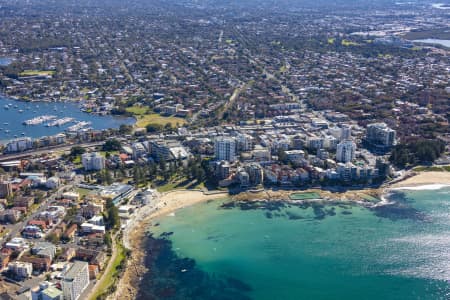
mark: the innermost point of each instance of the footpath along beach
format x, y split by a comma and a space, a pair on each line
167, 203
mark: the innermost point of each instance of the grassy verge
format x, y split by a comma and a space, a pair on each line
167, 187
83, 192
77, 160
348, 43
305, 196
108, 281
144, 117
432, 169
180, 183
36, 73
138, 110
103, 153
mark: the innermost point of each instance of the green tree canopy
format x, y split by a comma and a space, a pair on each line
111, 145
77, 150
417, 152
153, 128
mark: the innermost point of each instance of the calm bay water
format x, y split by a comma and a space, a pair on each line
445, 43
289, 252
4, 61
11, 119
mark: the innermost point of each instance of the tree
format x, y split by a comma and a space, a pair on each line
112, 215
416, 151
125, 129
168, 127
199, 174
166, 175
70, 215
282, 156
76, 150
172, 168
138, 175
52, 238
162, 164
151, 170
107, 240
153, 128
122, 172
111, 145
108, 177
104, 176
119, 111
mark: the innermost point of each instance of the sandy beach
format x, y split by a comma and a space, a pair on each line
169, 202
172, 201
134, 234
424, 179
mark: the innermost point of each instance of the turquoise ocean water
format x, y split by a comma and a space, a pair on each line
334, 251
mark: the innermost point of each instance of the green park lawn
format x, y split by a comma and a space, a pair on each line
36, 73
144, 117
305, 196
109, 279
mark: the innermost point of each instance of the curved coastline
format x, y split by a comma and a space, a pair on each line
134, 234
168, 203
422, 181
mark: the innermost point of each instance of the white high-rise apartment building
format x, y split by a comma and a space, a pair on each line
346, 151
75, 280
346, 132
225, 148
93, 161
380, 134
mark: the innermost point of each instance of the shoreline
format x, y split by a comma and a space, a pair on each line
4, 97
168, 203
134, 235
423, 180
26, 110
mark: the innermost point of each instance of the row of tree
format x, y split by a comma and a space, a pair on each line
111, 215
420, 151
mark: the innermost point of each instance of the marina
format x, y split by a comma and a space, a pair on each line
25, 119
39, 120
60, 122
78, 126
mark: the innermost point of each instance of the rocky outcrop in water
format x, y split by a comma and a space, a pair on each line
173, 277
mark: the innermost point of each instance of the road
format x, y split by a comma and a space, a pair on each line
89, 293
18, 227
14, 156
92, 289
15, 230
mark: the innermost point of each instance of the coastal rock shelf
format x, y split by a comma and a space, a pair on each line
314, 250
